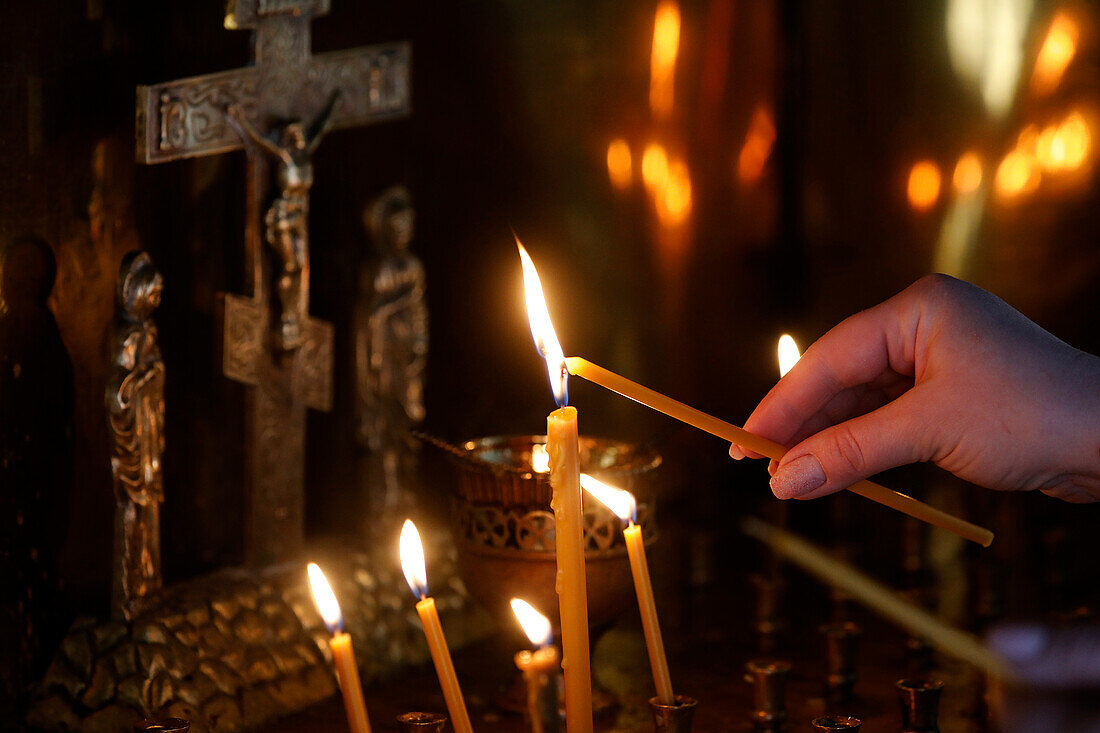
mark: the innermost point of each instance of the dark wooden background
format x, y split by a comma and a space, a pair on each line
514, 105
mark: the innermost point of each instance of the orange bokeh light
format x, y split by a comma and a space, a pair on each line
758, 146
655, 166
1058, 49
620, 167
662, 69
1017, 174
924, 185
968, 173
1065, 146
673, 201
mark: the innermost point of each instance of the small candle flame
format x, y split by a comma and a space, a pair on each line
542, 329
327, 605
788, 354
540, 458
621, 502
412, 559
535, 625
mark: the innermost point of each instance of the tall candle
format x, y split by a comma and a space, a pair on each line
412, 564
562, 445
343, 656
563, 448
624, 505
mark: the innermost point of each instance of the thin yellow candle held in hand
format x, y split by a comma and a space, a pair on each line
412, 564
562, 445
623, 504
343, 656
731, 433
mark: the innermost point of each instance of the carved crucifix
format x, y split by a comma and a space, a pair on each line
276, 109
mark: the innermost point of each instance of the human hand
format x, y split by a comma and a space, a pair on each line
941, 372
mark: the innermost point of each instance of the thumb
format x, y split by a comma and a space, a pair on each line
839, 456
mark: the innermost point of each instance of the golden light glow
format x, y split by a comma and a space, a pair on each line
924, 185
412, 559
540, 458
758, 146
788, 354
620, 167
662, 67
655, 167
327, 605
673, 201
542, 328
1064, 147
968, 173
1017, 174
620, 502
1056, 53
535, 625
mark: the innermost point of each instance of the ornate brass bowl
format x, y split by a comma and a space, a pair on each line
504, 527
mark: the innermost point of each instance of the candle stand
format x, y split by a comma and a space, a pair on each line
769, 680
504, 532
842, 645
421, 722
673, 718
920, 702
837, 722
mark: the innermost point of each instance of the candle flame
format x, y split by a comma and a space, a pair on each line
412, 559
542, 329
662, 65
327, 605
540, 458
620, 502
535, 625
788, 354
923, 188
1056, 53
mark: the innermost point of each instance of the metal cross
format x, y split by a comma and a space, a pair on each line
187, 118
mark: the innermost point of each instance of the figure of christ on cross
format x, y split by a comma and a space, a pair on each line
282, 354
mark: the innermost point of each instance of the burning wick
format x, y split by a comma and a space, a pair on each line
539, 668
412, 564
625, 506
343, 656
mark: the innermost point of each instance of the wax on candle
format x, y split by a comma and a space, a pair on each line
623, 504
878, 598
563, 446
343, 656
412, 564
722, 429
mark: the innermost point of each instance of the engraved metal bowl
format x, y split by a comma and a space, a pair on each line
505, 529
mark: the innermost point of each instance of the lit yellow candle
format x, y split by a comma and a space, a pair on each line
412, 563
539, 668
343, 656
563, 448
622, 503
710, 424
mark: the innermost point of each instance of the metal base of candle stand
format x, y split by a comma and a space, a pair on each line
239, 648
421, 722
673, 718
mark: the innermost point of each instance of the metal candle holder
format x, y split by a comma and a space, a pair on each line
673, 718
769, 693
837, 722
421, 722
920, 702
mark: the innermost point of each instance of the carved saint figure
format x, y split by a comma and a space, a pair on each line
135, 409
286, 223
392, 327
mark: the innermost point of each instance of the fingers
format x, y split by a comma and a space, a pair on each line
860, 350
841, 455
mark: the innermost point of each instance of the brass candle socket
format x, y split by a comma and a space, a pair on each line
920, 702
769, 681
842, 644
421, 722
673, 718
837, 722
